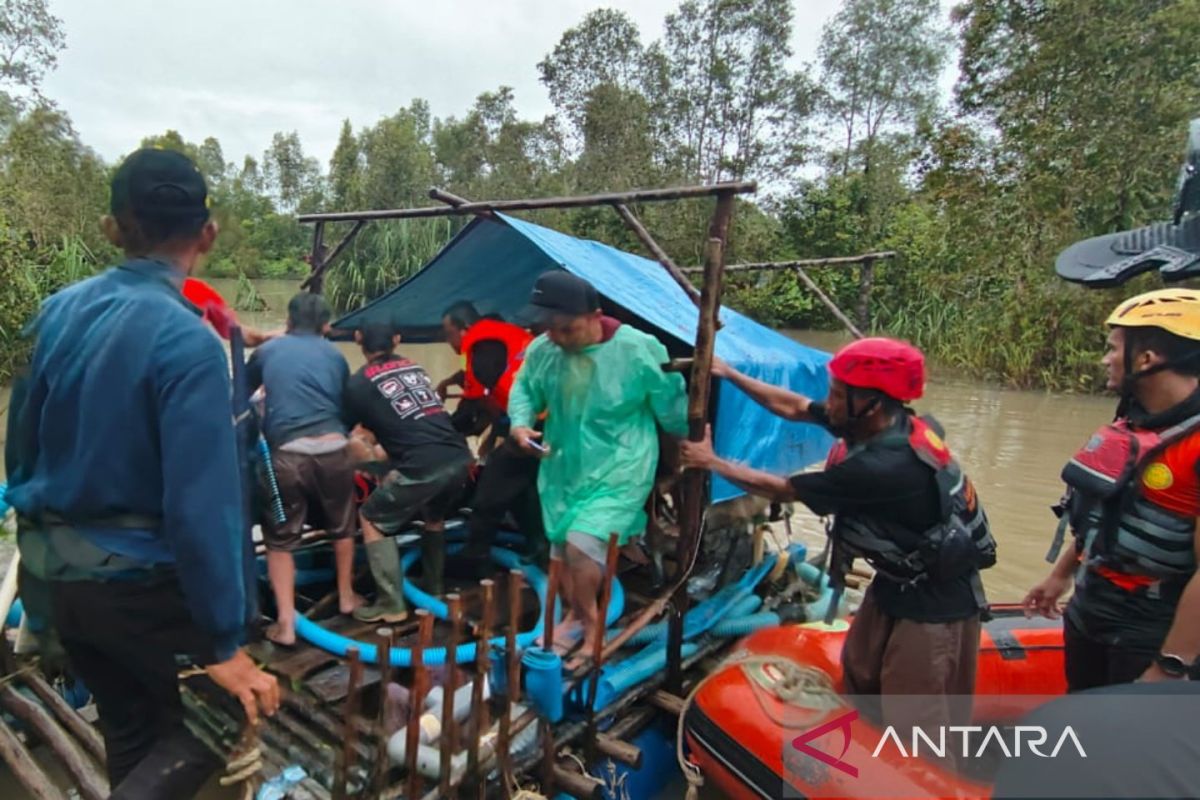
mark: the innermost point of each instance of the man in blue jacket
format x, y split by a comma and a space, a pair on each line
123, 470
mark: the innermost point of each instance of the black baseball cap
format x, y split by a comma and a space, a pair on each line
160, 186
560, 292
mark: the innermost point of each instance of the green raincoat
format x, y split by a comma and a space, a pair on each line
602, 404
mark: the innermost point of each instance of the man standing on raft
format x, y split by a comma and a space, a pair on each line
123, 470
603, 387
898, 499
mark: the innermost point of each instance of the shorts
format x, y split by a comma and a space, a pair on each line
593, 547
401, 497
318, 485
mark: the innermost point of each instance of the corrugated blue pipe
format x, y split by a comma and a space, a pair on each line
264, 451
337, 644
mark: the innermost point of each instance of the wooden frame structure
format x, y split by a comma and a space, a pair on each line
866, 277
694, 483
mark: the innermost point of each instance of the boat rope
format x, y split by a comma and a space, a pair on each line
244, 767
241, 767
799, 685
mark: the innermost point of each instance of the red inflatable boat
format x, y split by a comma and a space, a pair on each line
739, 731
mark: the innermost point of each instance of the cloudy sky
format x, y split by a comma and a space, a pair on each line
243, 69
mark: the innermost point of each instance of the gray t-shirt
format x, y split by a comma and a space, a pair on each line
304, 376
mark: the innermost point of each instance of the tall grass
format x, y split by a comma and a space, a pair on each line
27, 276
248, 297
383, 256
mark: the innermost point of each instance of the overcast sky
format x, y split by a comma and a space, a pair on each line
240, 70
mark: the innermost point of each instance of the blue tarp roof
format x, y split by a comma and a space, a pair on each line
494, 262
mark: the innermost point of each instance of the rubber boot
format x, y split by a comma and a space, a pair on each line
389, 606
433, 562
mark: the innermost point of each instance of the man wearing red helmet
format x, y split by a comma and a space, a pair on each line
898, 499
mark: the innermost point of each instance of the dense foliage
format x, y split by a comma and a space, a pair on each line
1066, 121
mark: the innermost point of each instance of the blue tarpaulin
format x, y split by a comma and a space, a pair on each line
494, 262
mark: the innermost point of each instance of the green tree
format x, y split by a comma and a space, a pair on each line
605, 49
30, 40
211, 160
344, 168
1089, 99
292, 179
731, 107
880, 61
51, 185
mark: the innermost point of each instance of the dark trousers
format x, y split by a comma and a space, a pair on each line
121, 639
922, 672
507, 483
1091, 664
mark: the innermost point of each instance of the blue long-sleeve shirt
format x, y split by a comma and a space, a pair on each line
127, 410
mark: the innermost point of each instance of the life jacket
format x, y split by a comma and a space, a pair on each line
515, 341
1132, 503
961, 543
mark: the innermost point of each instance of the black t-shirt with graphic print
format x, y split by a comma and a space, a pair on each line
394, 398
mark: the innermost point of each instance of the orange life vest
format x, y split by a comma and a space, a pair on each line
515, 341
1135, 498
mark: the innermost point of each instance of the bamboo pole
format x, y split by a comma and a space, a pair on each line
635, 225
79, 727
92, 785
772, 266
866, 276
544, 730
479, 711
384, 639
832, 306
449, 726
349, 730
26, 770
512, 671
727, 189
317, 274
317, 257
417, 702
610, 573
694, 484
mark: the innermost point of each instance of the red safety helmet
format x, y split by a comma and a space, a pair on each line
893, 367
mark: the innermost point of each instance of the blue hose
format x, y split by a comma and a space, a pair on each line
3, 504
616, 679
711, 611
422, 599
337, 644
264, 451
742, 626
14, 614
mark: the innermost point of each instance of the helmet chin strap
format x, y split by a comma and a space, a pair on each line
1130, 379
853, 417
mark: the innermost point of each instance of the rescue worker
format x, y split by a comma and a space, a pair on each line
123, 469
220, 316
602, 387
492, 351
305, 377
898, 499
1132, 504
427, 470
